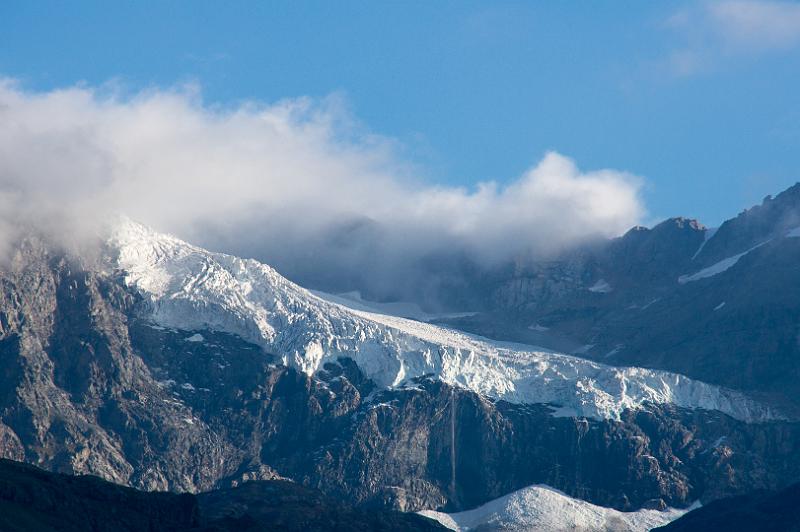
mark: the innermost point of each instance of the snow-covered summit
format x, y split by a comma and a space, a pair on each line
189, 288
542, 508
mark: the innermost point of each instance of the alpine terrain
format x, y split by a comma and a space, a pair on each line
615, 386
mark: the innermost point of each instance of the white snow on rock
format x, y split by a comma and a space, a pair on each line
794, 233
195, 338
189, 288
542, 508
717, 267
600, 287
708, 235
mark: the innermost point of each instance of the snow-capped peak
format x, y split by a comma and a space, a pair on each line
189, 288
542, 508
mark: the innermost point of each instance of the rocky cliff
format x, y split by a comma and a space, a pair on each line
93, 383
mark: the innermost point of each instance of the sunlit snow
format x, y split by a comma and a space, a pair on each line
717, 267
542, 508
189, 288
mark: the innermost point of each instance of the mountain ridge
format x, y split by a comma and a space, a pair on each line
189, 288
97, 379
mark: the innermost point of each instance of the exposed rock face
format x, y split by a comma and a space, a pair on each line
89, 388
283, 505
773, 218
75, 397
722, 307
88, 385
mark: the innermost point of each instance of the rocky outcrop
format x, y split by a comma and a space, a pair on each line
88, 386
771, 219
284, 505
75, 397
722, 307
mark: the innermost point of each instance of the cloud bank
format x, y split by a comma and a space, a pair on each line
297, 183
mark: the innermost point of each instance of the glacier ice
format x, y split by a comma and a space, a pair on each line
187, 287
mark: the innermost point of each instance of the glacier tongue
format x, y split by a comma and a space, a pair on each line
189, 288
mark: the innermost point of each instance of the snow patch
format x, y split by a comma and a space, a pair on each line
195, 338
584, 349
716, 268
719, 306
709, 234
794, 233
651, 303
719, 441
600, 287
617, 349
542, 508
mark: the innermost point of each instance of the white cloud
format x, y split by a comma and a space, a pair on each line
298, 183
713, 31
757, 24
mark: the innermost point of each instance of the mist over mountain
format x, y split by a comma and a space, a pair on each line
397, 266
160, 365
298, 184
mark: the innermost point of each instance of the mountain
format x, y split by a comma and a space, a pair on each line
33, 499
543, 509
720, 306
760, 510
188, 288
163, 366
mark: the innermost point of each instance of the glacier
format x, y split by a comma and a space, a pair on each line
189, 288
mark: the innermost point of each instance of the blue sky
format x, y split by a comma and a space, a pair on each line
700, 99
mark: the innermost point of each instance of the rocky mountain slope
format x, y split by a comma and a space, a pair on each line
760, 510
163, 366
720, 305
33, 499
188, 288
